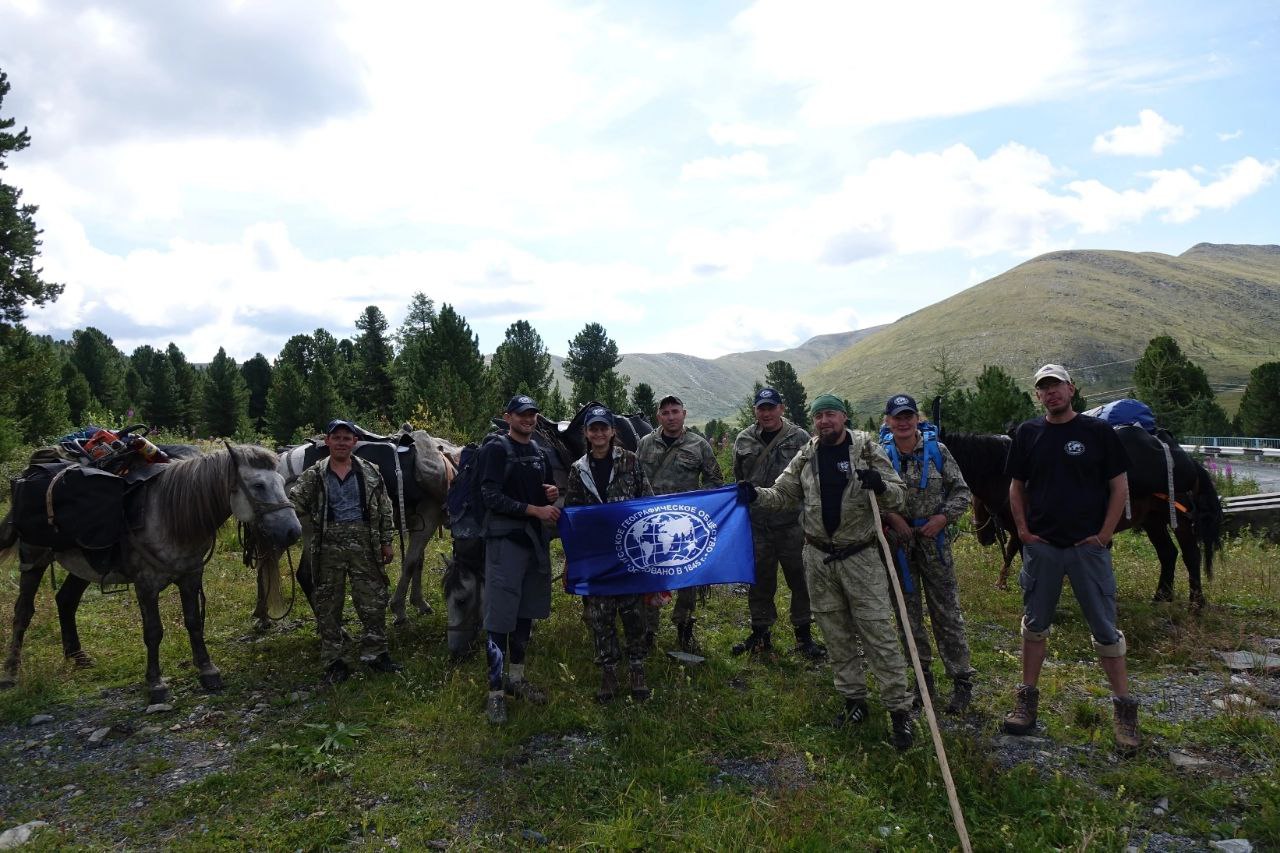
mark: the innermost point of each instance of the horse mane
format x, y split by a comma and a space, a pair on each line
193, 497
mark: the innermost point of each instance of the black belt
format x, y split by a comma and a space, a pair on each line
833, 553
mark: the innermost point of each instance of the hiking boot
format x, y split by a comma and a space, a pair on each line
901, 733
1022, 719
806, 646
384, 664
759, 642
961, 696
495, 710
608, 684
917, 702
639, 690
854, 712
336, 672
527, 690
684, 636
1126, 723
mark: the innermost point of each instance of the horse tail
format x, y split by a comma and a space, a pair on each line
1207, 516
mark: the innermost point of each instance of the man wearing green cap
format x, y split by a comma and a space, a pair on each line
848, 583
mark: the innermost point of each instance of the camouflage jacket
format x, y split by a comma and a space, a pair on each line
946, 492
310, 496
626, 481
679, 468
751, 463
798, 486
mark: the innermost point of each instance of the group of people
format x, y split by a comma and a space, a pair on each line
819, 505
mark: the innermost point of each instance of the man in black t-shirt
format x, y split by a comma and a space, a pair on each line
518, 495
1067, 493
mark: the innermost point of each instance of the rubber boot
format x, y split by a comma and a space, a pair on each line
1126, 723
1022, 719
639, 690
758, 642
901, 733
806, 646
688, 642
608, 684
961, 696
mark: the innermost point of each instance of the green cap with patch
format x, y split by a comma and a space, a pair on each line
827, 403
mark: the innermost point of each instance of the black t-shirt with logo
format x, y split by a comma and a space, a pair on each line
1067, 469
833, 475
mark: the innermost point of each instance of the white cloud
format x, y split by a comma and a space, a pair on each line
741, 328
745, 135
748, 164
1148, 138
1227, 137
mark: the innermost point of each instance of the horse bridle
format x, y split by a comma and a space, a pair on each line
260, 507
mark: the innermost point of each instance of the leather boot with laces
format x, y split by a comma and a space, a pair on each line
759, 642
384, 664
639, 689
901, 733
961, 696
337, 672
853, 713
806, 646
1022, 719
608, 684
525, 689
1126, 723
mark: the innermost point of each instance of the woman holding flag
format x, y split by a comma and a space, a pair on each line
605, 474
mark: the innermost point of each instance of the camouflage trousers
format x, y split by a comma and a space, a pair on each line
853, 606
935, 574
601, 613
686, 603
776, 545
347, 550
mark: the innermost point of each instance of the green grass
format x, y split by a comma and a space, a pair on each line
411, 757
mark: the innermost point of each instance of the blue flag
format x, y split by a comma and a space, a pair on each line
660, 543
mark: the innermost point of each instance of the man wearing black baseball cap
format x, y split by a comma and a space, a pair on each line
761, 452
519, 497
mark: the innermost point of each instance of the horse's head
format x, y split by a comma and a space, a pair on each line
258, 496
464, 596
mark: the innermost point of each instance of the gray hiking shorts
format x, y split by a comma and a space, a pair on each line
1092, 581
517, 585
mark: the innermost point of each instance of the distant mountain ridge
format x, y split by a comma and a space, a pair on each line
716, 387
1093, 311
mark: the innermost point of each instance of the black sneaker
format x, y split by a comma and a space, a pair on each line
384, 663
337, 672
854, 712
901, 733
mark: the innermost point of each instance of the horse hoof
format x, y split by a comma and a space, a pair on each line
156, 695
261, 626
1162, 596
80, 659
212, 682
424, 609
1003, 586
400, 621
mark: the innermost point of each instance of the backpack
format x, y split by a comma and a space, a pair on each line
463, 505
931, 452
1124, 412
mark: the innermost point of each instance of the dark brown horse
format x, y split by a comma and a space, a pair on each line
1197, 507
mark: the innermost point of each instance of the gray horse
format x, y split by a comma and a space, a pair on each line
435, 463
182, 509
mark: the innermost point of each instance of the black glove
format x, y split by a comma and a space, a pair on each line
746, 491
869, 478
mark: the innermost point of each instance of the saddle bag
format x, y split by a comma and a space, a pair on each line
63, 505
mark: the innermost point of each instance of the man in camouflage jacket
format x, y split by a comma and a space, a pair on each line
918, 534
353, 526
760, 453
848, 583
675, 461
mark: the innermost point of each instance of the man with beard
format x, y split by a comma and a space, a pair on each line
847, 580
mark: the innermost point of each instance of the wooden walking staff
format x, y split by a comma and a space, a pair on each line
957, 816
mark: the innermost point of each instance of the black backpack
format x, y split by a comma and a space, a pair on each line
464, 507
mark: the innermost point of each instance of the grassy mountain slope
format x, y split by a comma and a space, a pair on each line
715, 388
1093, 311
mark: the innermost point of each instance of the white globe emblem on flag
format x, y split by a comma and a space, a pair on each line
669, 539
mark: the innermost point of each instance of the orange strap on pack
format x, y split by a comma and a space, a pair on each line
1162, 496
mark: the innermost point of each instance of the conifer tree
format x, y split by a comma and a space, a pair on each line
189, 387
372, 386
257, 378
593, 355
521, 364
781, 377
102, 365
643, 401
33, 405
286, 402
1260, 406
226, 398
1170, 383
997, 403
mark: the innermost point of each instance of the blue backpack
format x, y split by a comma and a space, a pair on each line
931, 451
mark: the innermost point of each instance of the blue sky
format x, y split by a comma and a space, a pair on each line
701, 178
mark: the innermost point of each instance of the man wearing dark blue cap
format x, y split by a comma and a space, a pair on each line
519, 498
760, 453
351, 512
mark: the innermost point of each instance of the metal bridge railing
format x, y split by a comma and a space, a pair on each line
1232, 441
